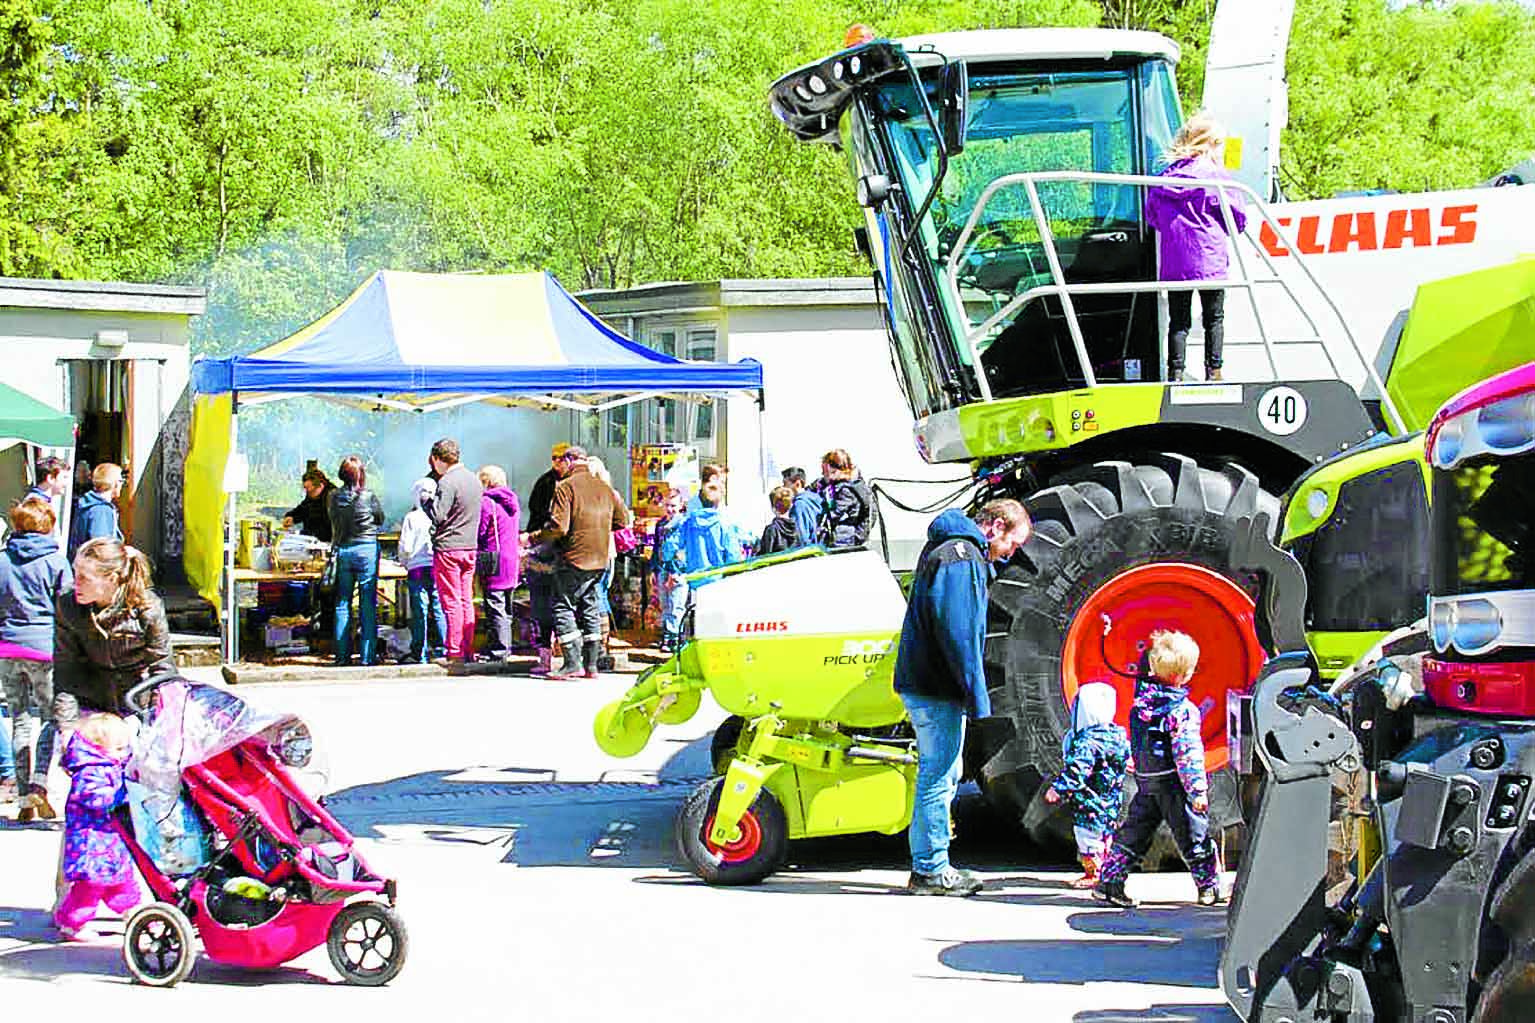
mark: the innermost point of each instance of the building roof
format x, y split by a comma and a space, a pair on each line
710, 296
101, 296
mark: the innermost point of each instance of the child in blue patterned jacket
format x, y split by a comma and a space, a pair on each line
1092, 779
1169, 765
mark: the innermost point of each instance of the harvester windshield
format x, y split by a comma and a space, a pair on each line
955, 235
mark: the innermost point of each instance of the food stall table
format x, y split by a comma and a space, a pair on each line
388, 571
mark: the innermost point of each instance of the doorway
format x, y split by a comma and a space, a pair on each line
100, 398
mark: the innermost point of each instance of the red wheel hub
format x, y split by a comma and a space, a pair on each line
744, 847
1189, 598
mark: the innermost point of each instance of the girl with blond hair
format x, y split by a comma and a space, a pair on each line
1192, 236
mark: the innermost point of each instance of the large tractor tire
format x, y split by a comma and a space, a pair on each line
1154, 546
1508, 994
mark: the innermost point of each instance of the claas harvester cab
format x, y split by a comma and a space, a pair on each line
1433, 921
1003, 177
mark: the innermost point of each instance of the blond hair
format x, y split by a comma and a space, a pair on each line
1198, 136
127, 566
106, 476
1173, 655
492, 476
105, 731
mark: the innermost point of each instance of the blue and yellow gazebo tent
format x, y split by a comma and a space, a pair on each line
422, 342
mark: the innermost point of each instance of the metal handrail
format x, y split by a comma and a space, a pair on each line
1064, 291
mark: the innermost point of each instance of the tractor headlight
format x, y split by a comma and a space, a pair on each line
1475, 626
1316, 503
1449, 442
1471, 626
1508, 426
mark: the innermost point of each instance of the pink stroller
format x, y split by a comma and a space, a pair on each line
235, 852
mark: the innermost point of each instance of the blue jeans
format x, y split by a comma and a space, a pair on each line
940, 728
7, 757
603, 585
424, 608
357, 571
674, 604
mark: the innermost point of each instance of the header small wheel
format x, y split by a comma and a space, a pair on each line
759, 848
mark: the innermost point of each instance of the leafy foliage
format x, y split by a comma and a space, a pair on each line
277, 151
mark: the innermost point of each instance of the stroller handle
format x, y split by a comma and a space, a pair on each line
137, 698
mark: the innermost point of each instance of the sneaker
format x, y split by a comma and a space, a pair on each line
1214, 375
1114, 895
1210, 896
947, 881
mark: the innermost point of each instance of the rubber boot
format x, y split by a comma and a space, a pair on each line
1089, 876
545, 662
571, 663
592, 651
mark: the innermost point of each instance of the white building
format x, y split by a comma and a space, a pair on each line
828, 384
115, 356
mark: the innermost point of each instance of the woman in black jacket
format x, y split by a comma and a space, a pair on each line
312, 514
110, 632
849, 502
355, 518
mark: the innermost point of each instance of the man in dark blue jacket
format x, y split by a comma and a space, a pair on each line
938, 672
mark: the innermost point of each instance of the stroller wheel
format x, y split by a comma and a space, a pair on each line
158, 945
367, 944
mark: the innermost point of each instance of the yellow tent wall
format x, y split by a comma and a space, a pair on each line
204, 499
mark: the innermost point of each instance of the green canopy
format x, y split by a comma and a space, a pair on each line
24, 419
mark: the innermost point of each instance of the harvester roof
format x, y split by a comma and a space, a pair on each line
810, 100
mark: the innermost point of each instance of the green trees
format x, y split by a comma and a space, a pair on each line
278, 150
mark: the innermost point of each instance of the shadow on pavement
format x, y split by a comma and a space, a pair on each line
1178, 947
45, 957
1161, 1014
527, 816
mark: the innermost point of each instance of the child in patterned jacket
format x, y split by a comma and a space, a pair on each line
1092, 779
1169, 765
97, 864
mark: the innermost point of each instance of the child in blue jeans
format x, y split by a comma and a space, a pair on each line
666, 564
416, 556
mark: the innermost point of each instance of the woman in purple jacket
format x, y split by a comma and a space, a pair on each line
500, 524
1192, 234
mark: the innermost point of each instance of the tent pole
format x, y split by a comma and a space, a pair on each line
231, 596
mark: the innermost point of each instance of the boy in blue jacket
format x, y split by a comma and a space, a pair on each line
939, 676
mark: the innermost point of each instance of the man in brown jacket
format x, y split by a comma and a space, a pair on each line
582, 518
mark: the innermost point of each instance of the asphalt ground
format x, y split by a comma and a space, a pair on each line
538, 881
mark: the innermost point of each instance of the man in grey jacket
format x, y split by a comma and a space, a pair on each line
455, 515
